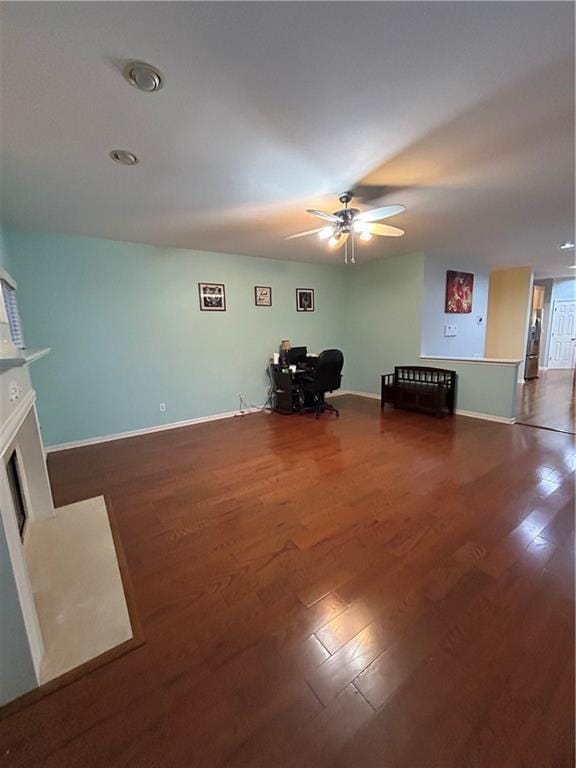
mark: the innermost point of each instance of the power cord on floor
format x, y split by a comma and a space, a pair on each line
246, 407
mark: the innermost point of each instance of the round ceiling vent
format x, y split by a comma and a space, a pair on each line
123, 157
143, 76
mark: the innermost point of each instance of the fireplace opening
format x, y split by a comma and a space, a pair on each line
14, 481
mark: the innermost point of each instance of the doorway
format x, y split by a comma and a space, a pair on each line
546, 398
562, 335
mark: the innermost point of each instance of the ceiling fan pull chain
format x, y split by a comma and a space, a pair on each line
353, 249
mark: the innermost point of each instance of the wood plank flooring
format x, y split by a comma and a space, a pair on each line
387, 591
548, 401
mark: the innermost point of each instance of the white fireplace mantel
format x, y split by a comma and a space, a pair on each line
20, 435
24, 357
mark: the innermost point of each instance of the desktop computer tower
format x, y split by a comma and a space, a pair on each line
286, 394
283, 401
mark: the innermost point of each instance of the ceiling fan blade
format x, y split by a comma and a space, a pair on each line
384, 230
322, 215
304, 234
377, 214
341, 241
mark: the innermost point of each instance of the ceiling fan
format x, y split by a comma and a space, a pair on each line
345, 224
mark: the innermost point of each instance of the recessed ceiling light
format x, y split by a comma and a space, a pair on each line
123, 157
567, 246
143, 76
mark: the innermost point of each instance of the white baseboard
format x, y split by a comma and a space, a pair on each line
148, 430
340, 392
232, 414
459, 411
485, 416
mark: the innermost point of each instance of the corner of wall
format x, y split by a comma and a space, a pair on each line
383, 311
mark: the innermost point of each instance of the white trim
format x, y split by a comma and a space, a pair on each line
229, 415
10, 427
21, 577
542, 367
148, 430
8, 278
458, 411
340, 392
21, 357
485, 416
521, 369
476, 360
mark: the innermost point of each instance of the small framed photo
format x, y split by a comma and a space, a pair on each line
263, 295
305, 299
212, 297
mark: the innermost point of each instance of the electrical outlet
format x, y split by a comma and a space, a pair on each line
163, 407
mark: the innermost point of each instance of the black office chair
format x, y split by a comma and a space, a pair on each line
326, 377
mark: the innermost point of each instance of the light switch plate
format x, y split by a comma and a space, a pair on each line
449, 330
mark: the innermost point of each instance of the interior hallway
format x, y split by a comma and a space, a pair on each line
548, 401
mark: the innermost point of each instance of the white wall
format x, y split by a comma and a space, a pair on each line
470, 333
564, 288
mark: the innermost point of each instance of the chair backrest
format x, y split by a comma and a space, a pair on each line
328, 375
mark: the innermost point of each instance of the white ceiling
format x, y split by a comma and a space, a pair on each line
463, 112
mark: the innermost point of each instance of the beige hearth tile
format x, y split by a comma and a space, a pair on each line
77, 586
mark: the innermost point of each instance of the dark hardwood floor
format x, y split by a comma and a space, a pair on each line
386, 591
548, 401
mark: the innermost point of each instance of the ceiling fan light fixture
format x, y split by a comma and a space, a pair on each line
344, 224
325, 233
333, 242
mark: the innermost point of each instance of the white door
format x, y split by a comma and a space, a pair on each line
562, 335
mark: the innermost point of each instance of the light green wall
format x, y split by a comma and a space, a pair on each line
383, 329
3, 251
483, 387
126, 331
127, 334
384, 301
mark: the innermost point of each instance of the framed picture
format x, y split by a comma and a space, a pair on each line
263, 295
212, 297
459, 290
305, 299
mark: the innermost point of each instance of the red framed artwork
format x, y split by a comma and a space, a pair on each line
459, 289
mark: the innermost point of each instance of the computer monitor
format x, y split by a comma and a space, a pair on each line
297, 355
